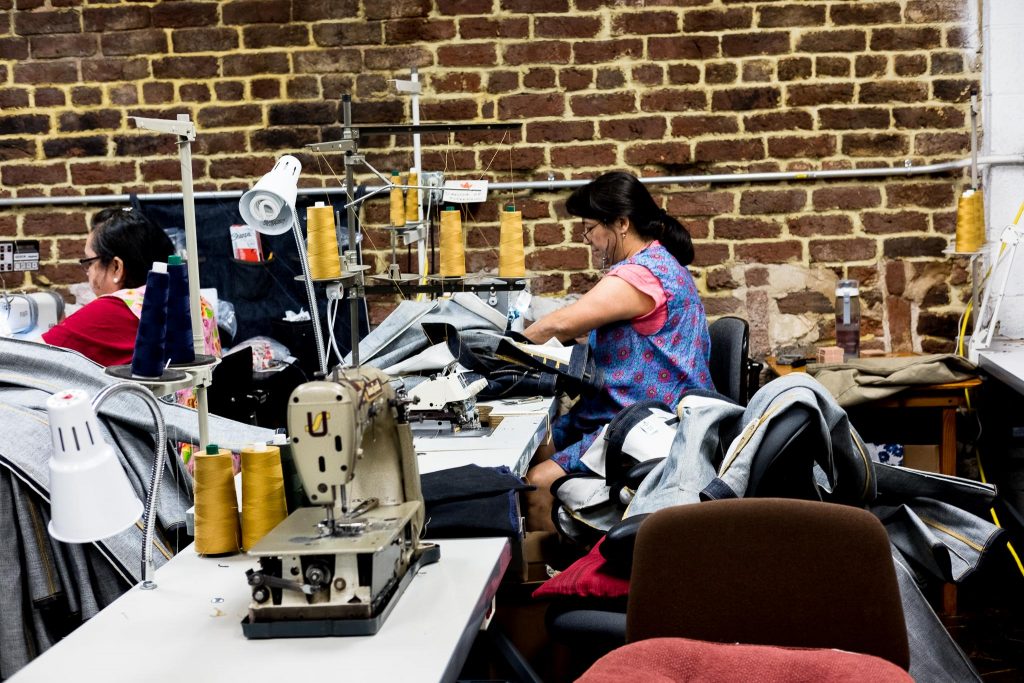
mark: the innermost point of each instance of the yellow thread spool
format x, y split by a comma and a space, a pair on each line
511, 253
412, 198
217, 529
453, 251
970, 221
397, 200
322, 242
263, 499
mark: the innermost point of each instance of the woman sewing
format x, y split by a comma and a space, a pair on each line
120, 250
644, 319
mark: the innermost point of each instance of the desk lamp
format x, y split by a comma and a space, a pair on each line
90, 495
269, 207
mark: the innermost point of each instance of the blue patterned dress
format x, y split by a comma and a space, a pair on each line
662, 366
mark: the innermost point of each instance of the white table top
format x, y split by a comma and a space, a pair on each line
180, 632
1004, 360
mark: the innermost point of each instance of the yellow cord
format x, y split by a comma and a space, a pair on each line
992, 511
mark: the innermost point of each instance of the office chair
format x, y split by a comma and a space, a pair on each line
728, 362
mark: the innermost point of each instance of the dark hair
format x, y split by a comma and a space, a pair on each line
616, 195
128, 234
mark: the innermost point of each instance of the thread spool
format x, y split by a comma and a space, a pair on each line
322, 242
453, 251
970, 221
148, 356
397, 200
511, 252
179, 346
217, 530
263, 501
412, 198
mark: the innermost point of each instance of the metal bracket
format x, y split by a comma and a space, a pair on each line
409, 87
347, 145
180, 126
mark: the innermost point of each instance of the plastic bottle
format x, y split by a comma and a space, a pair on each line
848, 317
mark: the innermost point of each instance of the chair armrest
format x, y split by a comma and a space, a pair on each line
637, 473
618, 545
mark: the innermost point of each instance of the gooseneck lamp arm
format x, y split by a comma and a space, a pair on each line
149, 516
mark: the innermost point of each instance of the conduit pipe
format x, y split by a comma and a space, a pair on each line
553, 184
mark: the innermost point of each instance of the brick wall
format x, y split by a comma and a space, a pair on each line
658, 87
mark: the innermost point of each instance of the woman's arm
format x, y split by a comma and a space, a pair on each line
611, 299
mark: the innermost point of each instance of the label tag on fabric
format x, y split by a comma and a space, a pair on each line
464, 191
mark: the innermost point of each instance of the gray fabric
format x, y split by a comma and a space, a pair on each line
39, 572
869, 379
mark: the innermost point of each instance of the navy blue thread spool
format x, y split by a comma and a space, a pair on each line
148, 358
179, 345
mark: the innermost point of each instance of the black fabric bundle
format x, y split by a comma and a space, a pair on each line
472, 501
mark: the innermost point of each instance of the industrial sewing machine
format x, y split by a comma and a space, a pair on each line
445, 405
339, 568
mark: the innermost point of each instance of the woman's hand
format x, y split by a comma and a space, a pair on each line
612, 299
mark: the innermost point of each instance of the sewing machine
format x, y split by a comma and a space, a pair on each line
338, 568
28, 316
446, 404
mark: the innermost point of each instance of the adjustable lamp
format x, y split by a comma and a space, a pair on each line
269, 207
90, 495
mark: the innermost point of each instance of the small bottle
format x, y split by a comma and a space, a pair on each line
848, 317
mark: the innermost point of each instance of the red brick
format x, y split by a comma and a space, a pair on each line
126, 94
82, 96
658, 153
256, 12
502, 81
758, 71
560, 131
220, 143
397, 9
463, 7
728, 150
632, 128
476, 28
531, 106
603, 51
185, 67
845, 41
33, 174
328, 61
64, 147
905, 39
204, 39
952, 90
583, 156
704, 203
566, 258
816, 225
158, 92
256, 37
13, 48
715, 21
464, 109
49, 97
794, 68
683, 47
643, 23
52, 223
538, 52
758, 43
769, 252
47, 22
709, 253
563, 27
790, 15
539, 79
683, 74
772, 201
774, 121
141, 42
688, 126
138, 145
842, 251
909, 247
948, 63
258, 64
459, 82
418, 30
265, 89
278, 137
346, 33
717, 74
817, 94
853, 118
303, 87
60, 46
941, 143
789, 147
602, 105
96, 119
835, 67
229, 116
477, 54
923, 194
910, 65
102, 172
194, 92
931, 12
317, 10
903, 221
115, 18
804, 302
115, 69
27, 124
874, 144
673, 100
68, 248
884, 92
745, 99
178, 14
720, 278
846, 198
169, 169
46, 72
745, 228
865, 13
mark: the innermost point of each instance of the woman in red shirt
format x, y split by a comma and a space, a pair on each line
119, 252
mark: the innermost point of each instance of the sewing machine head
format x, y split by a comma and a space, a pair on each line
448, 399
337, 568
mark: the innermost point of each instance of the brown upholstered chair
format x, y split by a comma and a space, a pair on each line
768, 571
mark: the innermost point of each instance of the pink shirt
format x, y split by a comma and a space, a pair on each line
645, 281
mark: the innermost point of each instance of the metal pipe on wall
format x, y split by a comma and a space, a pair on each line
551, 185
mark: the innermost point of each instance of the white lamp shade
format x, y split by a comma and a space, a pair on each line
270, 205
90, 495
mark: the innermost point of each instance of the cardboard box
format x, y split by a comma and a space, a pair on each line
924, 458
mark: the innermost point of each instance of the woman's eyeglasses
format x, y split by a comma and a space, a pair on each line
87, 261
589, 227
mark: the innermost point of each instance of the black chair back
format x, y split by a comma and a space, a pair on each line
730, 340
